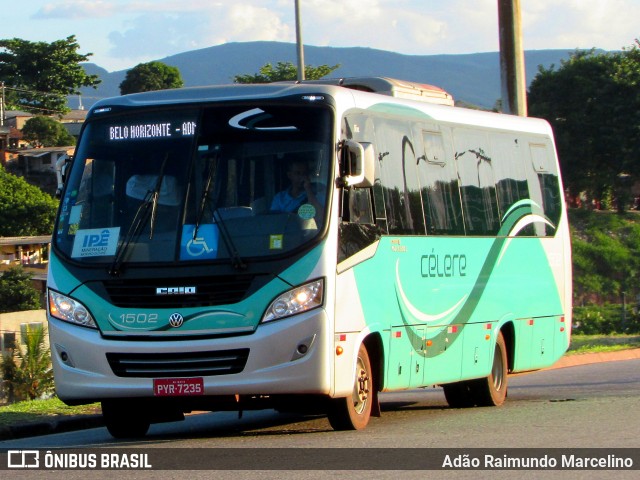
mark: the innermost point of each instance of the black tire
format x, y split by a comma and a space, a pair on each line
459, 394
124, 423
492, 390
353, 413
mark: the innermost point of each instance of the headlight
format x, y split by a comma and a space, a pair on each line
297, 300
69, 310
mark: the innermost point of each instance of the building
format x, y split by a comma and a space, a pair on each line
28, 161
13, 327
24, 250
10, 137
32, 253
73, 121
16, 118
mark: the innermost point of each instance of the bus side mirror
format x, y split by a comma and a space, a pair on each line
61, 173
360, 159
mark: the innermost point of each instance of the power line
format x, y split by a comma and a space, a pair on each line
46, 110
43, 110
24, 90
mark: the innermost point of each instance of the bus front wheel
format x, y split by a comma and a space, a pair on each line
122, 422
353, 412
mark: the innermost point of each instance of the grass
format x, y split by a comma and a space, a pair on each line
602, 343
39, 410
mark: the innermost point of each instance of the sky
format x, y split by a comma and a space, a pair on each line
123, 33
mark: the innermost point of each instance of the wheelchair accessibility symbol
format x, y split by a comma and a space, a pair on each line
203, 247
198, 246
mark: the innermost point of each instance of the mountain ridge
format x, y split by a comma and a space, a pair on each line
473, 78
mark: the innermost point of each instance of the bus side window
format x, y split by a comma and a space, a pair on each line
511, 178
547, 189
477, 184
440, 191
360, 208
358, 228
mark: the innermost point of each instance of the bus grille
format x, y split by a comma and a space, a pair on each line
210, 291
194, 364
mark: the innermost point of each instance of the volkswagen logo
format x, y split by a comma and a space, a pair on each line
176, 320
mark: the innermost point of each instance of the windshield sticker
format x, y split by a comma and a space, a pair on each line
276, 242
74, 216
203, 247
307, 211
95, 242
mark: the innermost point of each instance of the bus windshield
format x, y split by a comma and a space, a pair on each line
225, 183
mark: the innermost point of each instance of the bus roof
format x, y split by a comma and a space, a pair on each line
392, 87
357, 89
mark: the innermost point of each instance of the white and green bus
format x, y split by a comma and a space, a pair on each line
303, 246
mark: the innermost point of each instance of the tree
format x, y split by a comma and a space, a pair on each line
17, 294
284, 71
40, 75
592, 102
32, 378
146, 77
9, 375
46, 132
24, 208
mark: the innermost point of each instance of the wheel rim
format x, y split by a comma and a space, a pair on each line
361, 387
497, 372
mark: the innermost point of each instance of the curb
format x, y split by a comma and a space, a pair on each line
80, 422
58, 424
599, 357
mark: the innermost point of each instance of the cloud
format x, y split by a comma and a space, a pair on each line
407, 26
101, 8
580, 23
123, 32
165, 33
248, 23
74, 9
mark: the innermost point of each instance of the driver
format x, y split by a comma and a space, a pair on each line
299, 192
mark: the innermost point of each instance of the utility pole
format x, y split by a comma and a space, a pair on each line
2, 104
299, 43
512, 74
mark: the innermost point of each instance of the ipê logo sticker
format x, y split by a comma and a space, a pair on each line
95, 242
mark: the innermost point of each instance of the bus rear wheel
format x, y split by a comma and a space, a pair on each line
459, 394
353, 412
491, 391
483, 392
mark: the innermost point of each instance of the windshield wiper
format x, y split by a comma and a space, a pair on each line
213, 166
236, 259
147, 209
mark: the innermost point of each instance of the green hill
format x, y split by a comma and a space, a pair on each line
471, 78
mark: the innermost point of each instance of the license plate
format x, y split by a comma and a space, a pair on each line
173, 387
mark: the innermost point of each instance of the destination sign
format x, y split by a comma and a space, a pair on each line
151, 130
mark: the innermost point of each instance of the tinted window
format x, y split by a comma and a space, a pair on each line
477, 183
440, 192
398, 157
